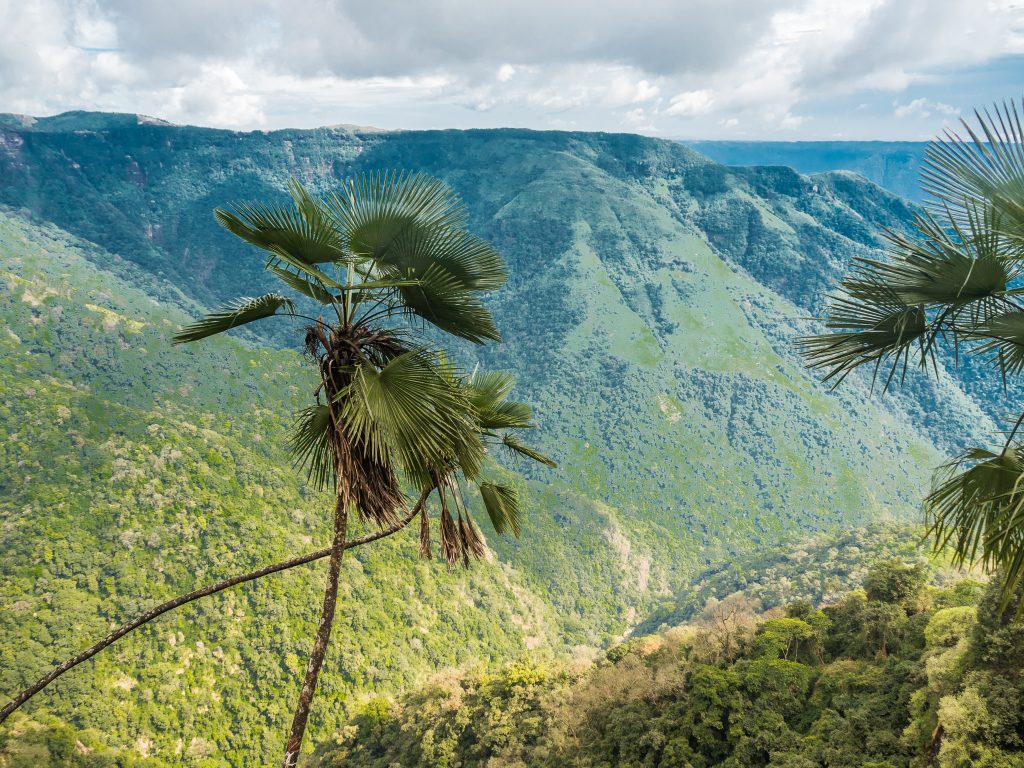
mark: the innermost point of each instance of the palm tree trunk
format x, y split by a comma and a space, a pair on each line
181, 600
323, 634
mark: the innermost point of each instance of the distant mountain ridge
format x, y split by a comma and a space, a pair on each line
893, 165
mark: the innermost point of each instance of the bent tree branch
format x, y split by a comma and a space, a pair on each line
181, 600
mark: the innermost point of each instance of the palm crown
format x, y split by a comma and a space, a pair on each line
956, 281
383, 257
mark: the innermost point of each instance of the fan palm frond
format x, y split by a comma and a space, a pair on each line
502, 505
977, 509
411, 227
238, 313
310, 445
375, 209
309, 286
471, 260
517, 447
870, 324
982, 170
488, 393
1002, 338
948, 267
409, 411
286, 231
441, 299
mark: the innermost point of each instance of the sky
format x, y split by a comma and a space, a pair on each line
692, 69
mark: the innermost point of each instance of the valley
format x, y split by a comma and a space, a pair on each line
650, 316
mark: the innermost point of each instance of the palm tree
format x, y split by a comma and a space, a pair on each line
954, 281
386, 257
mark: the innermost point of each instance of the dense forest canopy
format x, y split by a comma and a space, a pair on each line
899, 674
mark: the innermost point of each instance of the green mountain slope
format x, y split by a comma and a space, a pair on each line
650, 315
131, 470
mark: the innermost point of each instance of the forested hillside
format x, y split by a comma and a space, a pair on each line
653, 301
890, 676
132, 470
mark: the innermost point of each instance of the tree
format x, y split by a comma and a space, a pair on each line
387, 257
955, 280
387, 404
893, 581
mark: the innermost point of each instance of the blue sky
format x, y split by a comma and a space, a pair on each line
731, 69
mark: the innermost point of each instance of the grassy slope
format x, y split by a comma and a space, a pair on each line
650, 315
131, 470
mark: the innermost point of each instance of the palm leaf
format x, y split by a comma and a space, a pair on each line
385, 284
1003, 340
515, 446
502, 505
375, 209
871, 324
441, 299
281, 231
310, 445
301, 233
307, 286
488, 393
233, 315
471, 260
411, 228
977, 509
947, 266
319, 223
983, 170
409, 411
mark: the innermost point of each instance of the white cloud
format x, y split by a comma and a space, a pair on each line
217, 96
661, 65
691, 103
790, 122
625, 89
923, 108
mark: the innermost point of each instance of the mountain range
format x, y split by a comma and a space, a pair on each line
892, 165
650, 318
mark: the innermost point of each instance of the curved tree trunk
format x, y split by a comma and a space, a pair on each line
181, 600
323, 634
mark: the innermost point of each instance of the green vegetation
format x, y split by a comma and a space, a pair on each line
392, 408
649, 313
133, 470
48, 742
957, 278
901, 675
820, 569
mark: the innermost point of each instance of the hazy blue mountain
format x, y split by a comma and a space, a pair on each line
894, 165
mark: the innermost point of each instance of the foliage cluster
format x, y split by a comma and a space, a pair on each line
902, 675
